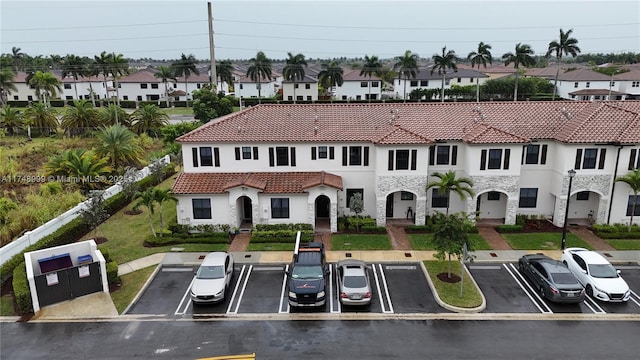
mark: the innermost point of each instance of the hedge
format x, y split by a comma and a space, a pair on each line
21, 290
620, 235
509, 228
203, 238
295, 227
373, 229
419, 228
281, 236
112, 273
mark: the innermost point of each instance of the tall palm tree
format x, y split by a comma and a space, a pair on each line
79, 118
294, 70
17, 58
45, 85
74, 66
185, 66
521, 57
118, 66
331, 76
564, 46
165, 73
160, 196
371, 66
11, 119
7, 77
442, 63
259, 69
146, 199
224, 72
633, 180
149, 119
44, 118
118, 144
480, 57
448, 183
101, 66
407, 66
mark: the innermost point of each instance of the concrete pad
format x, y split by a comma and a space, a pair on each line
141, 263
89, 306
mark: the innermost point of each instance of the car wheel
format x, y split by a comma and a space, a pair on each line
589, 290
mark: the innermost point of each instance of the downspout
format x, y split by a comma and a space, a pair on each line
613, 186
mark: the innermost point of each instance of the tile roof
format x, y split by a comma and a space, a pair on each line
142, 76
417, 122
582, 75
267, 182
354, 75
487, 134
461, 73
596, 92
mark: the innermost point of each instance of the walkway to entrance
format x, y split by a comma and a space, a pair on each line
493, 238
585, 234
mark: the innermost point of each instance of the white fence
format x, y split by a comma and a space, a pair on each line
33, 236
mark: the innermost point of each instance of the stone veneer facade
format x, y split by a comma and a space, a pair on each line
386, 185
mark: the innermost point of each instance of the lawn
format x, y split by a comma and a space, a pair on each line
450, 292
271, 247
360, 242
542, 241
131, 285
6, 305
424, 241
625, 244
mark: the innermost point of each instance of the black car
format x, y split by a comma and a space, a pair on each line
551, 278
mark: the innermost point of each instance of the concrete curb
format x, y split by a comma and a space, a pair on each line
453, 308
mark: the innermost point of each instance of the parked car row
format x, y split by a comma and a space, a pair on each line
580, 271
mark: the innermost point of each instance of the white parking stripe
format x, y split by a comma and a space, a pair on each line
386, 290
244, 286
544, 311
593, 305
633, 298
380, 295
186, 297
331, 291
283, 293
235, 289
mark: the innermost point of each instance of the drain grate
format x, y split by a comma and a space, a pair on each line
347, 255
607, 255
407, 254
493, 254
246, 256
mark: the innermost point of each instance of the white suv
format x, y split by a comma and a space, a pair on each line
599, 278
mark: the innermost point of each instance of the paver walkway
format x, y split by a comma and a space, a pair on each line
399, 239
493, 238
585, 234
240, 242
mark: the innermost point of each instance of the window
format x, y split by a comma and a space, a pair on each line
69, 97
351, 192
575, 84
612, 84
438, 199
363, 84
201, 208
443, 155
635, 84
587, 158
424, 82
246, 152
634, 159
295, 86
534, 154
495, 160
355, 155
282, 156
413, 83
633, 203
280, 208
290, 98
307, 86
279, 156
528, 197
139, 97
29, 97
582, 196
299, 97
154, 86
375, 84
125, 97
322, 152
587, 85
459, 80
402, 160
446, 82
309, 98
206, 157
493, 196
405, 195
143, 86
67, 86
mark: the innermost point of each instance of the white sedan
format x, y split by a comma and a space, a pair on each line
599, 278
212, 278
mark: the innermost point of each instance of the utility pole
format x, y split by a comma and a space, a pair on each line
214, 76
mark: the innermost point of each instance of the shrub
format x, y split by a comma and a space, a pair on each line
620, 235
201, 238
521, 219
281, 236
373, 229
509, 228
105, 253
112, 273
295, 227
419, 228
21, 290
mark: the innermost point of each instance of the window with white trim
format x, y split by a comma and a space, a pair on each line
534, 154
493, 159
589, 158
201, 208
402, 159
443, 155
280, 208
528, 198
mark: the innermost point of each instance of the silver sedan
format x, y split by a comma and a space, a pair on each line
353, 282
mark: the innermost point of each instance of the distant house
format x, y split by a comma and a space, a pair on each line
25, 92
303, 90
426, 80
586, 84
359, 87
247, 88
142, 85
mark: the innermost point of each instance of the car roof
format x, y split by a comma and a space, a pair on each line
591, 257
554, 266
536, 257
215, 258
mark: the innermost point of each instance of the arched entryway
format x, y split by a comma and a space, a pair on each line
491, 206
323, 212
401, 205
245, 212
583, 207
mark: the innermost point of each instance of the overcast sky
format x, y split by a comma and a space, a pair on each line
325, 29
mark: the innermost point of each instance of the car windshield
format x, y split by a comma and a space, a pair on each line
307, 272
563, 278
355, 281
603, 271
210, 272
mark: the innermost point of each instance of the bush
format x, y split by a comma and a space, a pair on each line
202, 238
295, 227
509, 228
281, 236
112, 273
373, 229
21, 290
105, 253
419, 228
620, 235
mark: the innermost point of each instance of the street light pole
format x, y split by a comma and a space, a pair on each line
572, 173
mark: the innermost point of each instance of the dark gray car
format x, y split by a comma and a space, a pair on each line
551, 278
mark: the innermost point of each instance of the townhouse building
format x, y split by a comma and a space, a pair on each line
301, 90
304, 162
586, 84
84, 86
359, 87
426, 80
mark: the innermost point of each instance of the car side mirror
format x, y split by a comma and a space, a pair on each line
619, 272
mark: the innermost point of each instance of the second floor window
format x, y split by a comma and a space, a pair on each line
402, 159
534, 154
322, 152
443, 155
413, 83
280, 156
246, 152
590, 157
634, 159
143, 86
364, 84
493, 159
355, 155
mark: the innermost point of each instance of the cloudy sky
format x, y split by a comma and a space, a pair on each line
325, 29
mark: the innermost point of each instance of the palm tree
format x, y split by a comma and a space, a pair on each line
442, 63
118, 66
91, 69
101, 66
565, 45
259, 69
11, 119
146, 199
165, 73
522, 56
74, 66
80, 117
114, 114
294, 70
331, 76
81, 166
7, 77
45, 85
184, 67
160, 196
372, 66
118, 144
42, 117
224, 72
448, 183
149, 119
17, 58
633, 180
407, 66
480, 57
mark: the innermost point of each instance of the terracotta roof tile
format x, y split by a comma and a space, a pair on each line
402, 136
486, 134
267, 182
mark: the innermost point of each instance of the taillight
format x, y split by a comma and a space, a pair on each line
367, 295
343, 295
554, 290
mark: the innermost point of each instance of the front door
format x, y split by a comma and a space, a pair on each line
389, 212
322, 207
246, 205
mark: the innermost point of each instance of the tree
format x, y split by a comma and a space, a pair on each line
160, 196
442, 63
80, 117
7, 77
101, 66
95, 210
146, 199
148, 119
17, 58
372, 66
224, 72
41, 117
208, 105
564, 46
80, 166
118, 66
91, 69
11, 119
521, 57
407, 66
74, 66
480, 57
114, 114
330, 76
172, 131
259, 69
294, 70
185, 66
450, 233
118, 144
448, 183
45, 85
165, 73
633, 180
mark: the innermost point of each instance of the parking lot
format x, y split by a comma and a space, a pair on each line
398, 288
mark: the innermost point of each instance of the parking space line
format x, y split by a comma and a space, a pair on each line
244, 286
520, 280
386, 290
635, 296
593, 305
185, 297
283, 294
339, 310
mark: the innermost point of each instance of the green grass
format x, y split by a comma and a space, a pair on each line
625, 244
542, 241
131, 285
425, 241
6, 305
178, 111
360, 242
450, 293
270, 247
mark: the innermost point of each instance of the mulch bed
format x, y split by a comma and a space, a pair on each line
532, 226
444, 277
133, 212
